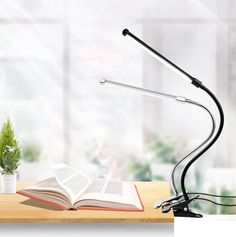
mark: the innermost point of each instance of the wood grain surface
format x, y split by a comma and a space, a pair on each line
16, 208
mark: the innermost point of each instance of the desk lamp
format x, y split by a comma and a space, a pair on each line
183, 100
179, 202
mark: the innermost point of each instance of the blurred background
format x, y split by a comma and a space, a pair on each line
53, 54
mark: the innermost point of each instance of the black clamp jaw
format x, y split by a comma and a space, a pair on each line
179, 206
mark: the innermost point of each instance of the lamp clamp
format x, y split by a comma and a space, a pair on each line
179, 205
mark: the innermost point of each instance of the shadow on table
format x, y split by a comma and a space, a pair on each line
34, 203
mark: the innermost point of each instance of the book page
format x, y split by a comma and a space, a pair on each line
49, 184
111, 191
71, 180
49, 190
106, 186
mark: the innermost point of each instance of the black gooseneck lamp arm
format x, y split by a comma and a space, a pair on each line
181, 207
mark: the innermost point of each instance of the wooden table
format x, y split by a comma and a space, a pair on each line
16, 208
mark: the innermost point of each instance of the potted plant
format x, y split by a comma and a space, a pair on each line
9, 158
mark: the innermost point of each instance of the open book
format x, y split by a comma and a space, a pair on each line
70, 189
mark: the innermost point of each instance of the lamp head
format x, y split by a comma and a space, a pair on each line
143, 91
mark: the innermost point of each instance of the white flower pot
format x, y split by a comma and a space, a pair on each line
8, 183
